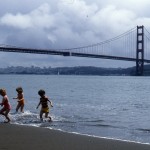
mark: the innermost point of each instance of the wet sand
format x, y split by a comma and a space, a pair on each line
17, 137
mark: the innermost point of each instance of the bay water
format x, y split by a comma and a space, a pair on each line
115, 107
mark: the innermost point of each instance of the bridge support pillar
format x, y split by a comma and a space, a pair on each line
140, 51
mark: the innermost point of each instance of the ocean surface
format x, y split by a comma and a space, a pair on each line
115, 107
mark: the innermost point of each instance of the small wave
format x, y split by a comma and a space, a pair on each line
66, 121
24, 118
144, 130
2, 118
45, 124
94, 121
101, 125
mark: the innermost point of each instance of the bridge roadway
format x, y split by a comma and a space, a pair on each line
64, 53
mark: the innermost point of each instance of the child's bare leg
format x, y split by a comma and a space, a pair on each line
6, 115
17, 108
46, 116
21, 108
2, 112
41, 114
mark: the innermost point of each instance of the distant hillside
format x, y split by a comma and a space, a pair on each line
80, 70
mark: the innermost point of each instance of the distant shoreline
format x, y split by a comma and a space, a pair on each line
79, 70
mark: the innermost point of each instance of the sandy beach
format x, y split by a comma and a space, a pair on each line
17, 137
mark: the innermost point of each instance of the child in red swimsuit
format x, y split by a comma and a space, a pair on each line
6, 106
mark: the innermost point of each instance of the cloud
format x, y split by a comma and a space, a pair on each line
39, 18
67, 24
71, 26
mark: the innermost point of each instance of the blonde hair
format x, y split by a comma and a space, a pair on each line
3, 91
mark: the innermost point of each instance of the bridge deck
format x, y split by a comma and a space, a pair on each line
65, 53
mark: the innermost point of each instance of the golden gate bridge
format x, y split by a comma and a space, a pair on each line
132, 45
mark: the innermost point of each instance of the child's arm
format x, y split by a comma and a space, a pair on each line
38, 105
2, 103
19, 97
50, 103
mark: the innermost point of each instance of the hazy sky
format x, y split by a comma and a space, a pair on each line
66, 24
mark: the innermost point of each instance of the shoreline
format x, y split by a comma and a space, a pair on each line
82, 134
21, 137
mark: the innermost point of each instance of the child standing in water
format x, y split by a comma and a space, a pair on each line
6, 106
44, 105
20, 98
